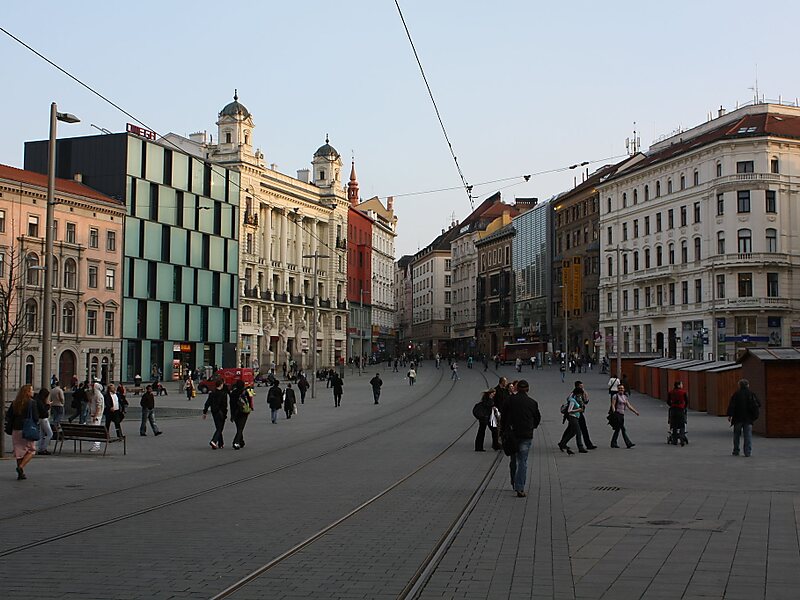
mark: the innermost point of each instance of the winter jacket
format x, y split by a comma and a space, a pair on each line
521, 415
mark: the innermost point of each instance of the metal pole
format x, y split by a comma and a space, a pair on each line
47, 295
360, 328
566, 312
316, 256
618, 332
714, 346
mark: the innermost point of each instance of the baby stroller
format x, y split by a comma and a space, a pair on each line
679, 416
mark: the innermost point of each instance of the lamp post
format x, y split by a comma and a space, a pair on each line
47, 296
316, 256
360, 328
618, 332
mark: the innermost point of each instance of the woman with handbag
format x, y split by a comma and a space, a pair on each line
241, 402
619, 403
22, 422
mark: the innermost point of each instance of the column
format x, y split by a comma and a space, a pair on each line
266, 243
284, 247
299, 241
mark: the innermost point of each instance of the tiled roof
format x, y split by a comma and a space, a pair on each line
65, 186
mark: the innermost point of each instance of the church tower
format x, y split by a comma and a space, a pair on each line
352, 186
327, 166
235, 130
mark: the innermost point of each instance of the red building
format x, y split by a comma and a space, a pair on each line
359, 274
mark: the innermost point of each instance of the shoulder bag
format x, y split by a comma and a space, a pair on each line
30, 428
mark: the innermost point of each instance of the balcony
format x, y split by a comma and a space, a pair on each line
324, 303
309, 301
250, 292
756, 258
297, 299
757, 302
747, 178
266, 295
341, 243
250, 218
342, 305
281, 297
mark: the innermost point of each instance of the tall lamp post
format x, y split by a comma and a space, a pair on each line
360, 328
47, 296
316, 256
618, 332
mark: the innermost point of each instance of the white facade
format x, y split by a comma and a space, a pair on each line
706, 228
431, 295
464, 268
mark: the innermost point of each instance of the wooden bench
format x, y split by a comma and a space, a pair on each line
86, 433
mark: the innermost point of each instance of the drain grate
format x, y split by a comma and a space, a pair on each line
606, 488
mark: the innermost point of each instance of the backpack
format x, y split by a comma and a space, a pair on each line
565, 407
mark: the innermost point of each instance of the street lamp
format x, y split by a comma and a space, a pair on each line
618, 332
47, 295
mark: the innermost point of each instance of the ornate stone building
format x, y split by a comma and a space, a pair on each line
284, 220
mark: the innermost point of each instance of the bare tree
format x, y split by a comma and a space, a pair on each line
15, 332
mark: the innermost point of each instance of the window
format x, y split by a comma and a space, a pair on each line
646, 193
608, 205
32, 274
636, 261
91, 322
698, 291
773, 165
624, 264
719, 169
92, 276
696, 212
744, 166
33, 226
70, 275
624, 232
772, 205
647, 258
745, 285
247, 314
683, 182
720, 204
684, 292
610, 235
743, 201
669, 186
635, 197
696, 178
745, 245
227, 137
94, 237
53, 317
658, 189
111, 241
338, 323
772, 240
658, 222
248, 248
447, 280
70, 233
670, 219
625, 300
109, 323
610, 267
110, 277
684, 252
636, 228
2, 264
720, 242
772, 285
659, 295
2, 221
659, 256
635, 298
68, 318
624, 200
447, 296
647, 225
671, 254
31, 316
672, 294
683, 216
696, 249
720, 286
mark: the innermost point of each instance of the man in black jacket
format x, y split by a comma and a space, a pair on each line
520, 418
376, 383
217, 401
742, 411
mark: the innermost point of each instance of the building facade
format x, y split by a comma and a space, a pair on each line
700, 235
87, 292
359, 283
531, 266
403, 298
431, 294
284, 222
180, 270
495, 294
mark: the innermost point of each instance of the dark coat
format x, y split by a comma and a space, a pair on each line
108, 403
521, 416
289, 399
148, 401
338, 384
217, 402
376, 383
275, 397
743, 407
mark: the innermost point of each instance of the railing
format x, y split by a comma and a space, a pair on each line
324, 303
281, 297
250, 292
757, 302
250, 218
342, 305
277, 264
309, 301
266, 295
748, 177
297, 299
341, 243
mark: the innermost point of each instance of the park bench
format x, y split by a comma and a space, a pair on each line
86, 433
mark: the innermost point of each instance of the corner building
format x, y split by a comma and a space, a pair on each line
700, 231
180, 253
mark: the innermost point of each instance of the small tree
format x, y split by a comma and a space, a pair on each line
14, 334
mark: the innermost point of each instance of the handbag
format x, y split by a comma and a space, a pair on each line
30, 428
510, 443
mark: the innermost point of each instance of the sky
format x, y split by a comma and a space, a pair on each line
522, 87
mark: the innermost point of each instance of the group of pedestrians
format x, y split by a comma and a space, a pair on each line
240, 400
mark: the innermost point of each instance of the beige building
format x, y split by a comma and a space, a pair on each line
283, 219
87, 277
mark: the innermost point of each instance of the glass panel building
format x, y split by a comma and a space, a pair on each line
180, 268
531, 266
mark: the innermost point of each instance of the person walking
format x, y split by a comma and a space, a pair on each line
114, 408
289, 401
275, 400
217, 402
563, 368
188, 387
583, 398
518, 364
241, 401
613, 386
148, 404
454, 371
302, 385
743, 410
574, 408
79, 403
678, 401
337, 383
519, 421
23, 407
376, 383
56, 407
412, 376
45, 431
96, 407
620, 402
482, 411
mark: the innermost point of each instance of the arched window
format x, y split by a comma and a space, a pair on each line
68, 318
636, 260
635, 196
646, 193
696, 178
54, 280
720, 242
247, 314
772, 240
671, 254
696, 249
684, 252
70, 274
683, 182
658, 189
669, 186
31, 316
53, 318
745, 241
659, 256
719, 169
246, 138
32, 275
647, 258
338, 323
624, 200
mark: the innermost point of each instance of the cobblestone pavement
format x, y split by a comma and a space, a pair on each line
655, 521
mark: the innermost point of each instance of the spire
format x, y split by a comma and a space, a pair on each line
235, 95
352, 186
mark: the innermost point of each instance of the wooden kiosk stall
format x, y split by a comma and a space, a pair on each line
721, 382
773, 375
695, 382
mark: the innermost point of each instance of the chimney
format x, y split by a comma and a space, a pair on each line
201, 137
303, 174
273, 167
390, 203
721, 111
78, 177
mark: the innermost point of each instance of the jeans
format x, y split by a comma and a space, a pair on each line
274, 414
219, 425
621, 428
518, 464
45, 434
573, 430
148, 414
747, 429
377, 394
240, 421
585, 431
57, 413
454, 375
302, 396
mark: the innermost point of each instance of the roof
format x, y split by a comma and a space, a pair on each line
590, 182
769, 354
326, 150
504, 231
65, 186
234, 108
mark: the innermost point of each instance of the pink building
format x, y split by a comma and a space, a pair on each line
87, 278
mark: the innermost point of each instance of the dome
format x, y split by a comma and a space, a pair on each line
235, 108
326, 150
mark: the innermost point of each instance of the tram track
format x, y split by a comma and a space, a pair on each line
421, 575
226, 485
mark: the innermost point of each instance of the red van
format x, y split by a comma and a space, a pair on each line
230, 376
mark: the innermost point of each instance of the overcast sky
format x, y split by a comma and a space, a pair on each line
523, 87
